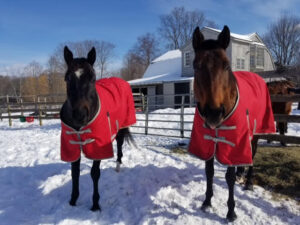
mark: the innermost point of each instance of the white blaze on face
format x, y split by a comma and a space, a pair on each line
79, 72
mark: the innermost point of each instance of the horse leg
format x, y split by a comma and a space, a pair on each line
230, 179
75, 181
282, 126
239, 173
249, 176
95, 174
209, 171
120, 140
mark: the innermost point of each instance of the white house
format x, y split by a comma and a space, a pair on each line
172, 73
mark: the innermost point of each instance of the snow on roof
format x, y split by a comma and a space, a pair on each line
245, 37
166, 67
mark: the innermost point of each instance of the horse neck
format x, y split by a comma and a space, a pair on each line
232, 95
93, 104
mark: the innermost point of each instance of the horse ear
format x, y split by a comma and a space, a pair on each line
91, 57
198, 38
224, 37
68, 55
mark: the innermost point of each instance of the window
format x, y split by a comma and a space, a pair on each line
181, 90
252, 55
159, 91
240, 63
187, 59
252, 60
260, 57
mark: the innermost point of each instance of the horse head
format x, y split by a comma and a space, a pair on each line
214, 84
80, 79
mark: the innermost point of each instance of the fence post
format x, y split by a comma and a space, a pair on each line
143, 102
182, 117
9, 116
22, 109
40, 111
146, 117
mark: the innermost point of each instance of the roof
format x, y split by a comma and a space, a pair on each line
245, 37
165, 68
252, 37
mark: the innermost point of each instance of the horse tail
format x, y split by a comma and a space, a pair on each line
128, 136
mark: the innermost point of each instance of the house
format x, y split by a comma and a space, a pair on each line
172, 73
162, 79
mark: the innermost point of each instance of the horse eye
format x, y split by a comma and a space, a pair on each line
226, 67
67, 77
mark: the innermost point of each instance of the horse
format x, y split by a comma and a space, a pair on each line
295, 90
226, 117
283, 87
93, 115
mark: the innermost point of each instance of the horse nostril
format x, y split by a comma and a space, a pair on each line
80, 114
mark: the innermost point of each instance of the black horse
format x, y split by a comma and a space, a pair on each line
79, 109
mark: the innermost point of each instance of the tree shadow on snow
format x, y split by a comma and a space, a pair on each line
40, 194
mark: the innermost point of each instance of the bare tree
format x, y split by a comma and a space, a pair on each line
146, 48
104, 51
34, 70
140, 56
177, 27
133, 67
14, 76
283, 39
9, 85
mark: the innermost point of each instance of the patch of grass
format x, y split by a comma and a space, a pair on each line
179, 150
278, 169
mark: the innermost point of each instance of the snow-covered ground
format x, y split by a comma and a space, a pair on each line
154, 186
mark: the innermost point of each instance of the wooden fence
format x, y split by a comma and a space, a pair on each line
185, 132
43, 110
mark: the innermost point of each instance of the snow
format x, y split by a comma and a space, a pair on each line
165, 68
173, 54
155, 186
245, 37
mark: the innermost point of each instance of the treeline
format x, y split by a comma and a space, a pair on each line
41, 84
175, 30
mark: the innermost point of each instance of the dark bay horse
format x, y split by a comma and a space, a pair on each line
79, 110
227, 116
282, 87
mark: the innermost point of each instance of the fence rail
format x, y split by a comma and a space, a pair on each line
146, 115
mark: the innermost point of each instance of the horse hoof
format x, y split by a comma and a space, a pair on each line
206, 205
248, 187
240, 179
231, 216
118, 167
72, 202
283, 144
96, 208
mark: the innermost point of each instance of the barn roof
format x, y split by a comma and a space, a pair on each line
165, 68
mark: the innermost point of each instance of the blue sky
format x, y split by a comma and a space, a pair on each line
32, 29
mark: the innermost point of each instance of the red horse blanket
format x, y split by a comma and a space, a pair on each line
230, 142
116, 111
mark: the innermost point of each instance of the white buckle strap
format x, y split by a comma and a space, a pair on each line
224, 127
87, 141
218, 139
79, 132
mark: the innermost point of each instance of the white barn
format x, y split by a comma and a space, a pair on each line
172, 73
